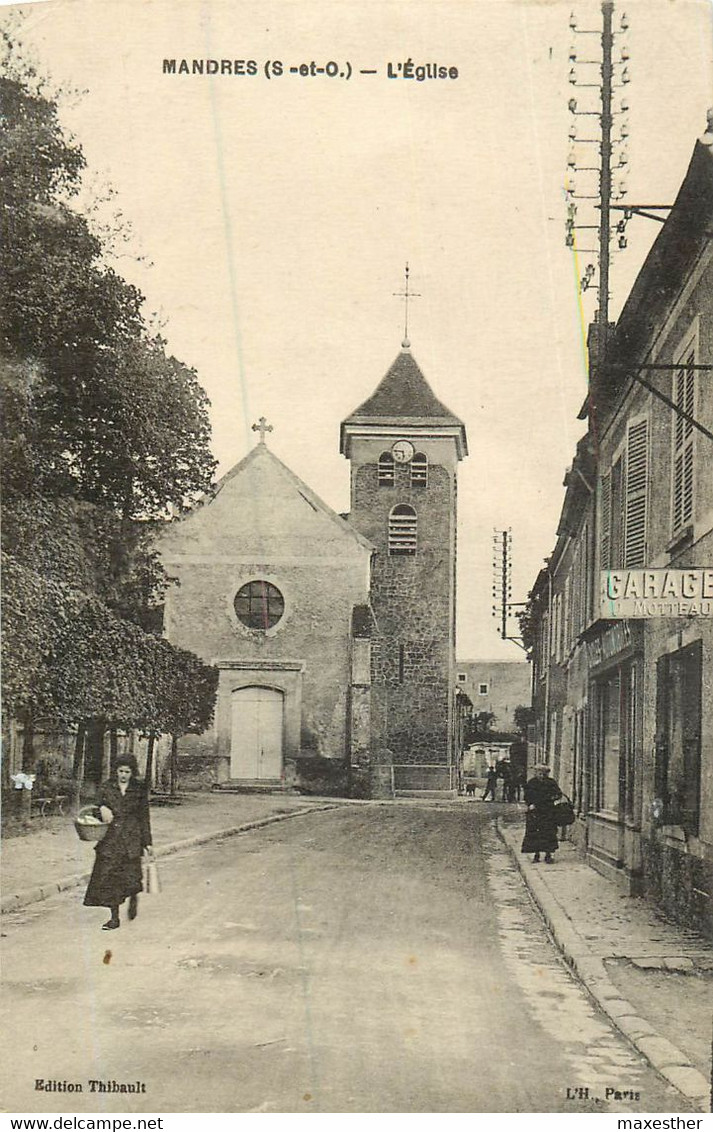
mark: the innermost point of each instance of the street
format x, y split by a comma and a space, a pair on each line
365, 959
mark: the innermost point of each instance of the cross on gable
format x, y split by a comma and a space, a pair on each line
406, 294
262, 427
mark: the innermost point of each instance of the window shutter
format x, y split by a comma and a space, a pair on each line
605, 561
637, 473
683, 453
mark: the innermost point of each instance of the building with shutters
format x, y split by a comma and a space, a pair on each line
334, 636
625, 706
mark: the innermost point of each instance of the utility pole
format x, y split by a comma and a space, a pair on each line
605, 184
502, 584
604, 192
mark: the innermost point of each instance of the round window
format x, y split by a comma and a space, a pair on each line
259, 605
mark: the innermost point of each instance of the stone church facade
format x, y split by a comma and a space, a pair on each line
333, 636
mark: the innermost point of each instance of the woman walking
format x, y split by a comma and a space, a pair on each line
541, 793
124, 806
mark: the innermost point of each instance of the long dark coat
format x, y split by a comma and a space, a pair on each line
117, 868
541, 823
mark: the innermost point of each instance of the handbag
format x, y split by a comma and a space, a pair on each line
564, 812
152, 881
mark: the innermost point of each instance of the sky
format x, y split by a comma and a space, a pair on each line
271, 219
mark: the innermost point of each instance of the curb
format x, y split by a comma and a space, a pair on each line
668, 1061
40, 892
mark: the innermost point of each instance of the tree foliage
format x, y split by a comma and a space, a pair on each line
93, 403
66, 657
103, 432
524, 716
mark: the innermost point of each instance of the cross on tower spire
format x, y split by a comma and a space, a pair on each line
262, 427
406, 294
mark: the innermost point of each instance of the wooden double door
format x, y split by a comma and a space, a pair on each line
257, 730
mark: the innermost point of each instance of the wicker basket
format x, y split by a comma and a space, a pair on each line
90, 832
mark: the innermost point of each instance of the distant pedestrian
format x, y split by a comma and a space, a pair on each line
541, 793
491, 782
506, 773
518, 785
124, 806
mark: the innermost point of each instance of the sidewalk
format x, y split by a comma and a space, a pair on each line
651, 977
51, 858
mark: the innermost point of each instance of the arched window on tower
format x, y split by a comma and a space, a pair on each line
419, 470
402, 530
386, 470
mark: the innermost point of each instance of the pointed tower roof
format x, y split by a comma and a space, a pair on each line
404, 399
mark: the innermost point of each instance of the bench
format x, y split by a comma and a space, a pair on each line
49, 804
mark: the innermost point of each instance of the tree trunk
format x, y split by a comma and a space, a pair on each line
149, 762
28, 745
78, 766
28, 764
174, 764
113, 745
105, 753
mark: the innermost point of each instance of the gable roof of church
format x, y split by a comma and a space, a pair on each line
403, 396
262, 452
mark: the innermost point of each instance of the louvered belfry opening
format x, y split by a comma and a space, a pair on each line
419, 470
386, 470
402, 530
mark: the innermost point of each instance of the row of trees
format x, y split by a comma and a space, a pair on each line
103, 434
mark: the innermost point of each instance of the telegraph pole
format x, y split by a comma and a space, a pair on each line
605, 184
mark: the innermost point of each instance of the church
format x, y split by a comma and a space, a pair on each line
334, 636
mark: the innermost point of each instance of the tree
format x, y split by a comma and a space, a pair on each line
527, 621
524, 716
93, 404
480, 726
103, 432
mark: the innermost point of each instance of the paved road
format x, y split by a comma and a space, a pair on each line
380, 959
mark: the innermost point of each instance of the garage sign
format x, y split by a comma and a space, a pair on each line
656, 593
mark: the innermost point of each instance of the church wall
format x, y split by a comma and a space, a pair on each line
264, 525
319, 596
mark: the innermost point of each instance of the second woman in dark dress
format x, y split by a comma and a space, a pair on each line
541, 793
116, 875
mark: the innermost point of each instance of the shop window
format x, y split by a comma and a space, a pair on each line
678, 736
386, 470
402, 530
259, 605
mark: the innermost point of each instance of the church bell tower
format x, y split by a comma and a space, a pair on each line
404, 447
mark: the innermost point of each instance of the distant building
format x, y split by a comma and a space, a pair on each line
497, 686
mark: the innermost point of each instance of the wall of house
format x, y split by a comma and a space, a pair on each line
508, 683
